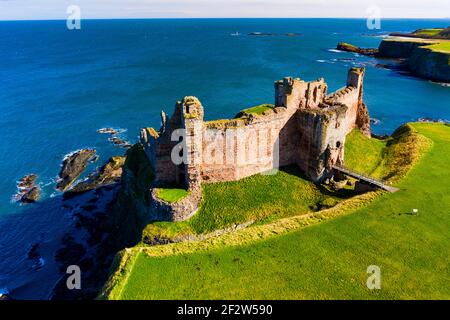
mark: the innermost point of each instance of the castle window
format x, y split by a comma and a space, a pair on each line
315, 94
338, 144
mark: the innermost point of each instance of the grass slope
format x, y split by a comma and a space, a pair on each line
256, 198
330, 259
441, 47
428, 32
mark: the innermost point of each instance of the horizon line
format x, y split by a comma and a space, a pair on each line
224, 18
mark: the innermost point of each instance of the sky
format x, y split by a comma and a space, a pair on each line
104, 9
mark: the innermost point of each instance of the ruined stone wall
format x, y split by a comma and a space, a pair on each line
348, 96
232, 153
295, 93
321, 136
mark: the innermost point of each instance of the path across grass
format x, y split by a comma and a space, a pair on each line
328, 260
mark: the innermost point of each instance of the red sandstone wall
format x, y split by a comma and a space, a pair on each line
235, 153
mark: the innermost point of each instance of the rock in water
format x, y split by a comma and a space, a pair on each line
110, 173
351, 48
28, 191
107, 131
27, 182
120, 142
73, 166
31, 195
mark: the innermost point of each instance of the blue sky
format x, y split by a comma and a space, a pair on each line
56, 9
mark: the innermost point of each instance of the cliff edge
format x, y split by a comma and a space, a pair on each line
426, 58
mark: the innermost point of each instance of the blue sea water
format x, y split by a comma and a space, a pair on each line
58, 87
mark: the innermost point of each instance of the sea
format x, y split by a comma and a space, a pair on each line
59, 86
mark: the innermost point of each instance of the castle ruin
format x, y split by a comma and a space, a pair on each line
306, 127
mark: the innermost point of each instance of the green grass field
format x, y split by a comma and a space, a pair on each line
428, 32
442, 47
329, 260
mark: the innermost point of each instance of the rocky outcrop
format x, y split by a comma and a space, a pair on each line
108, 130
430, 64
73, 166
131, 210
27, 181
419, 58
114, 138
108, 174
32, 195
120, 142
28, 190
391, 48
351, 48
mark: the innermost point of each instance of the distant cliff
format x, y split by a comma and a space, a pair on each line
426, 52
423, 57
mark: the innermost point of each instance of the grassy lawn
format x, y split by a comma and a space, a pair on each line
329, 259
428, 32
171, 194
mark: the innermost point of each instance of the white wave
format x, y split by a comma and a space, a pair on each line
335, 50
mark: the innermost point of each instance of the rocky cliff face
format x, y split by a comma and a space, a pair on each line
430, 64
131, 209
73, 166
422, 61
398, 49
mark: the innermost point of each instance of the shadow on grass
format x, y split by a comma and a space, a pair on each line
341, 194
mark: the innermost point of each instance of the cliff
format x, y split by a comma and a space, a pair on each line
431, 64
399, 48
131, 208
429, 59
